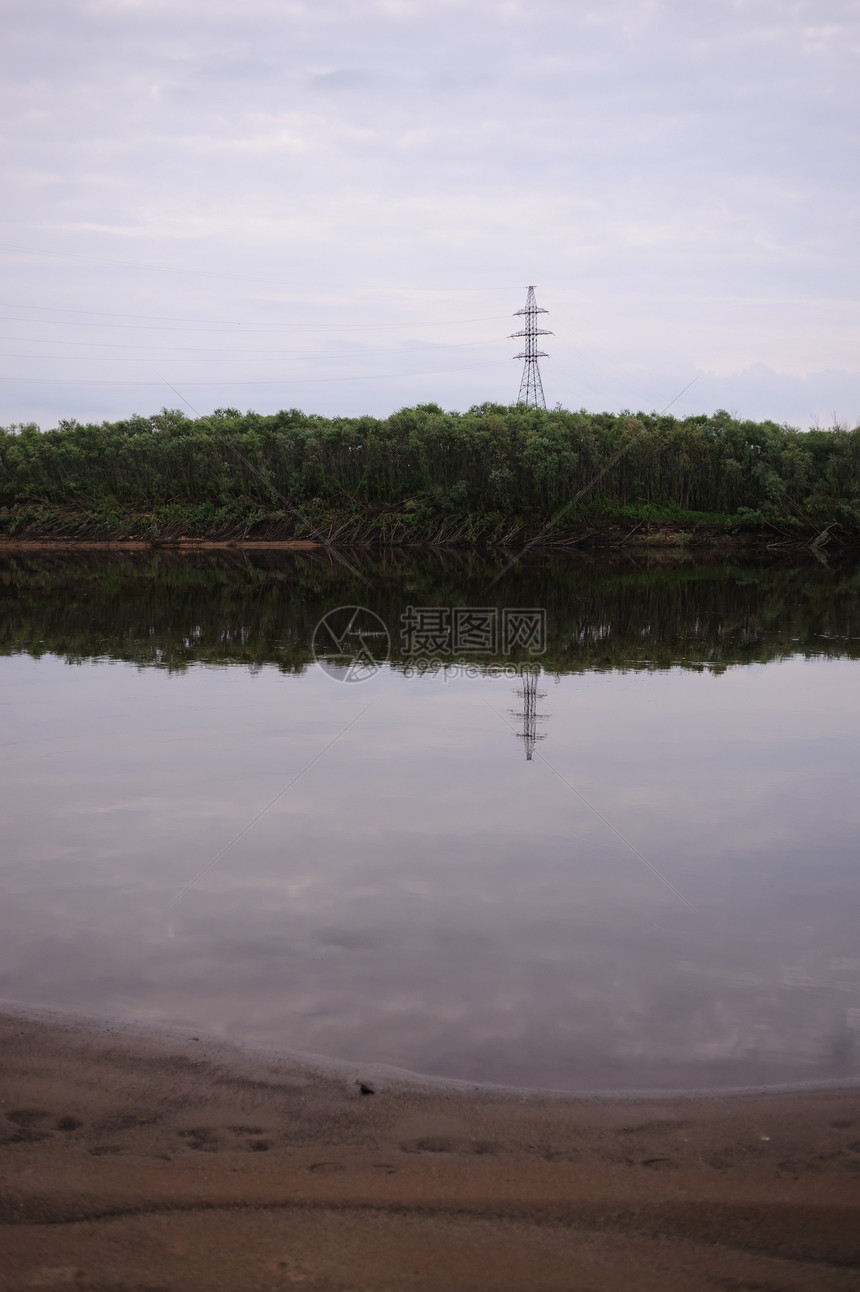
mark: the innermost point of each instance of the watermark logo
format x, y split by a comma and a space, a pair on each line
351, 643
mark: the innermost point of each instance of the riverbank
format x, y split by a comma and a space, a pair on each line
601, 535
133, 1159
13, 545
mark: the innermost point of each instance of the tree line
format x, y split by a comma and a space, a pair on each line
421, 468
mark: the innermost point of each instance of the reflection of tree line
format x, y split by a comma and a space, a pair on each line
254, 609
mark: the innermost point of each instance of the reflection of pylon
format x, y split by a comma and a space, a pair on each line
529, 715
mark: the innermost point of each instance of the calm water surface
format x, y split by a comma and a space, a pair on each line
666, 893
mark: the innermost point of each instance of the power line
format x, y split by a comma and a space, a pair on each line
226, 323
111, 314
287, 381
138, 264
175, 349
213, 273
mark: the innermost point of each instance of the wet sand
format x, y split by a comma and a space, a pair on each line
136, 1160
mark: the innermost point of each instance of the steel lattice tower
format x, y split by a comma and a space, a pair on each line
531, 386
529, 715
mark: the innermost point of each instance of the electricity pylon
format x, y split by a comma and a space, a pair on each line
531, 386
529, 715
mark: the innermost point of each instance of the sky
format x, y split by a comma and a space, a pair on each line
338, 205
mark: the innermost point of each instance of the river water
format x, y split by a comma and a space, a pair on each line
586, 825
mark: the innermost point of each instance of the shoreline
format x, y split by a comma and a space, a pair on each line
148, 545
600, 536
676, 543
140, 1034
136, 1156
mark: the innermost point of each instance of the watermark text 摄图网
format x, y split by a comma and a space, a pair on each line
442, 631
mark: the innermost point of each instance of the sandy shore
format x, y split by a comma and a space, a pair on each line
139, 1161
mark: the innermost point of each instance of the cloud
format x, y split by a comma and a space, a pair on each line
521, 940
670, 177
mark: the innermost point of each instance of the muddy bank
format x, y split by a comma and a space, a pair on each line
601, 535
132, 1160
139, 545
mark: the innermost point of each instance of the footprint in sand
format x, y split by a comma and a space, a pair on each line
438, 1144
212, 1139
25, 1127
30, 1125
27, 1116
203, 1139
68, 1124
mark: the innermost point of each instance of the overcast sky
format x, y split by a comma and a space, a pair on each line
338, 205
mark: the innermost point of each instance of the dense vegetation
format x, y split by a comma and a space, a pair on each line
493, 472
